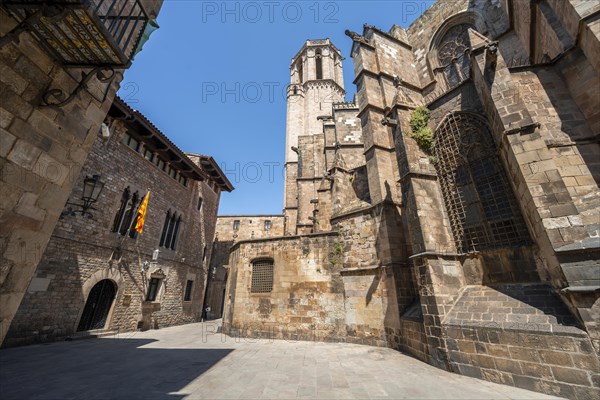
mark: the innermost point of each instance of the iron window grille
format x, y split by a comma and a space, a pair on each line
188, 291
262, 276
170, 232
236, 224
127, 214
481, 206
83, 33
267, 225
98, 34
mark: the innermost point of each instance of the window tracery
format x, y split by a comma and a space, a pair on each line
481, 206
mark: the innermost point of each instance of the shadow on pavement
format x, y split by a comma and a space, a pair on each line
102, 369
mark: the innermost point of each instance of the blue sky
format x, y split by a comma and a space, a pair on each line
213, 78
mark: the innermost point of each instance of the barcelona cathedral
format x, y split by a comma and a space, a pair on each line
450, 211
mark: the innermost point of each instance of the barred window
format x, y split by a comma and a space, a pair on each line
170, 231
262, 276
481, 206
267, 225
126, 217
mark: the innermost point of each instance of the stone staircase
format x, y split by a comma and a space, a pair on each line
521, 335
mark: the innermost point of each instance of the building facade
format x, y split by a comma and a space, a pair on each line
98, 273
54, 99
230, 229
463, 229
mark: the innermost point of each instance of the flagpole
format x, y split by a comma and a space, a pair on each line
131, 223
144, 202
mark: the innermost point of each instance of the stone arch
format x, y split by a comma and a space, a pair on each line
479, 199
468, 18
111, 274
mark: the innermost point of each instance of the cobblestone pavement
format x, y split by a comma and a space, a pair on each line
190, 362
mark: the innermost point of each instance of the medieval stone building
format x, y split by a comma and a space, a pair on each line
452, 211
98, 273
231, 229
61, 64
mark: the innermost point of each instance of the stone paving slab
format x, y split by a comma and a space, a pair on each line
192, 362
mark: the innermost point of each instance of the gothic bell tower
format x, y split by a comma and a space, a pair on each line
316, 82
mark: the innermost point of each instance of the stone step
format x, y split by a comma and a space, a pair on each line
519, 306
96, 333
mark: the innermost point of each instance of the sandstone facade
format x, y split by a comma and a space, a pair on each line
84, 253
44, 145
230, 229
475, 248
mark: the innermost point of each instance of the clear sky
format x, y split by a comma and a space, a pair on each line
213, 79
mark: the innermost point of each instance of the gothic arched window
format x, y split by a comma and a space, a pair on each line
300, 72
170, 231
451, 53
126, 216
319, 64
481, 206
454, 43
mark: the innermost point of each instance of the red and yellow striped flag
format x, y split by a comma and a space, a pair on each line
139, 225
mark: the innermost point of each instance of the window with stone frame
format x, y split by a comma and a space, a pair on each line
300, 72
262, 276
318, 64
153, 287
451, 53
267, 225
236, 224
481, 205
187, 296
127, 214
170, 231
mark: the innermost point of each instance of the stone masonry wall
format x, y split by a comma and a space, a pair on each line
551, 95
307, 297
82, 251
41, 152
316, 294
251, 227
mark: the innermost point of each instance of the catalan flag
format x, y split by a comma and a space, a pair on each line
139, 225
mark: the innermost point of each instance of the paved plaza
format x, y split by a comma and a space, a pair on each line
190, 362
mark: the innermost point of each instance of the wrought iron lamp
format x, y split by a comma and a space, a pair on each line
92, 187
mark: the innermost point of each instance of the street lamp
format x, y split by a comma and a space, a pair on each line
92, 187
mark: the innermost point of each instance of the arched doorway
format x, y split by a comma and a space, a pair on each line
97, 306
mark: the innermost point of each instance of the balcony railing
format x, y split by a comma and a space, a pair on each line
83, 33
